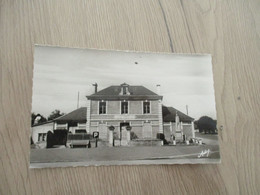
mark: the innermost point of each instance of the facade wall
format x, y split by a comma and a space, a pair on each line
93, 128
155, 129
94, 107
154, 107
113, 107
135, 117
135, 107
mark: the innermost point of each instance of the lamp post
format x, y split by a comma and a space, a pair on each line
128, 135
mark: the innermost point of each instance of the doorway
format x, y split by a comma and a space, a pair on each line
123, 133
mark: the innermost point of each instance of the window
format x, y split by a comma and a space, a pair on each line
102, 107
42, 136
146, 107
124, 107
124, 90
39, 137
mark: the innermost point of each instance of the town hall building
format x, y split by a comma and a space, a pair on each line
125, 106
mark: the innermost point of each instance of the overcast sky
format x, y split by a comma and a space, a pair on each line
60, 73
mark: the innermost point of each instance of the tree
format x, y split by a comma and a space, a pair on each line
206, 124
55, 114
37, 118
33, 116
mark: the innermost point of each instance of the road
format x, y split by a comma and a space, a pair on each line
122, 155
128, 155
209, 139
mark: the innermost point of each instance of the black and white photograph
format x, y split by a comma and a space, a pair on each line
104, 107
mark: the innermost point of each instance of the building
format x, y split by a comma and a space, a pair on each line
125, 106
39, 131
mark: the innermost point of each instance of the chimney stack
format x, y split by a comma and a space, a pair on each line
96, 86
158, 89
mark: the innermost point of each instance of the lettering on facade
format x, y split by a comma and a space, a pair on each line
124, 117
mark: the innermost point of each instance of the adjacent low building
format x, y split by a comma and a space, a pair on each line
39, 131
74, 122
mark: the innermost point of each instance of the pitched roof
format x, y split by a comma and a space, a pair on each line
136, 92
44, 123
78, 115
169, 114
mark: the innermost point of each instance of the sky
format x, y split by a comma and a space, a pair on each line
61, 73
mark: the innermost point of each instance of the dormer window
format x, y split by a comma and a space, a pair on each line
124, 89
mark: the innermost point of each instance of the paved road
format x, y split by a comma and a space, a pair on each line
123, 155
127, 155
209, 139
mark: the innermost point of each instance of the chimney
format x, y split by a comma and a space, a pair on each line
158, 89
95, 85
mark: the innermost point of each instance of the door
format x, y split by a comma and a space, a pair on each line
123, 134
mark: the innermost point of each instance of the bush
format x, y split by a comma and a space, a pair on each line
206, 124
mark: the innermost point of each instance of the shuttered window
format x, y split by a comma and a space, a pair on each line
146, 107
124, 107
102, 107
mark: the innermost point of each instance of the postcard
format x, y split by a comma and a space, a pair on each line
101, 107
